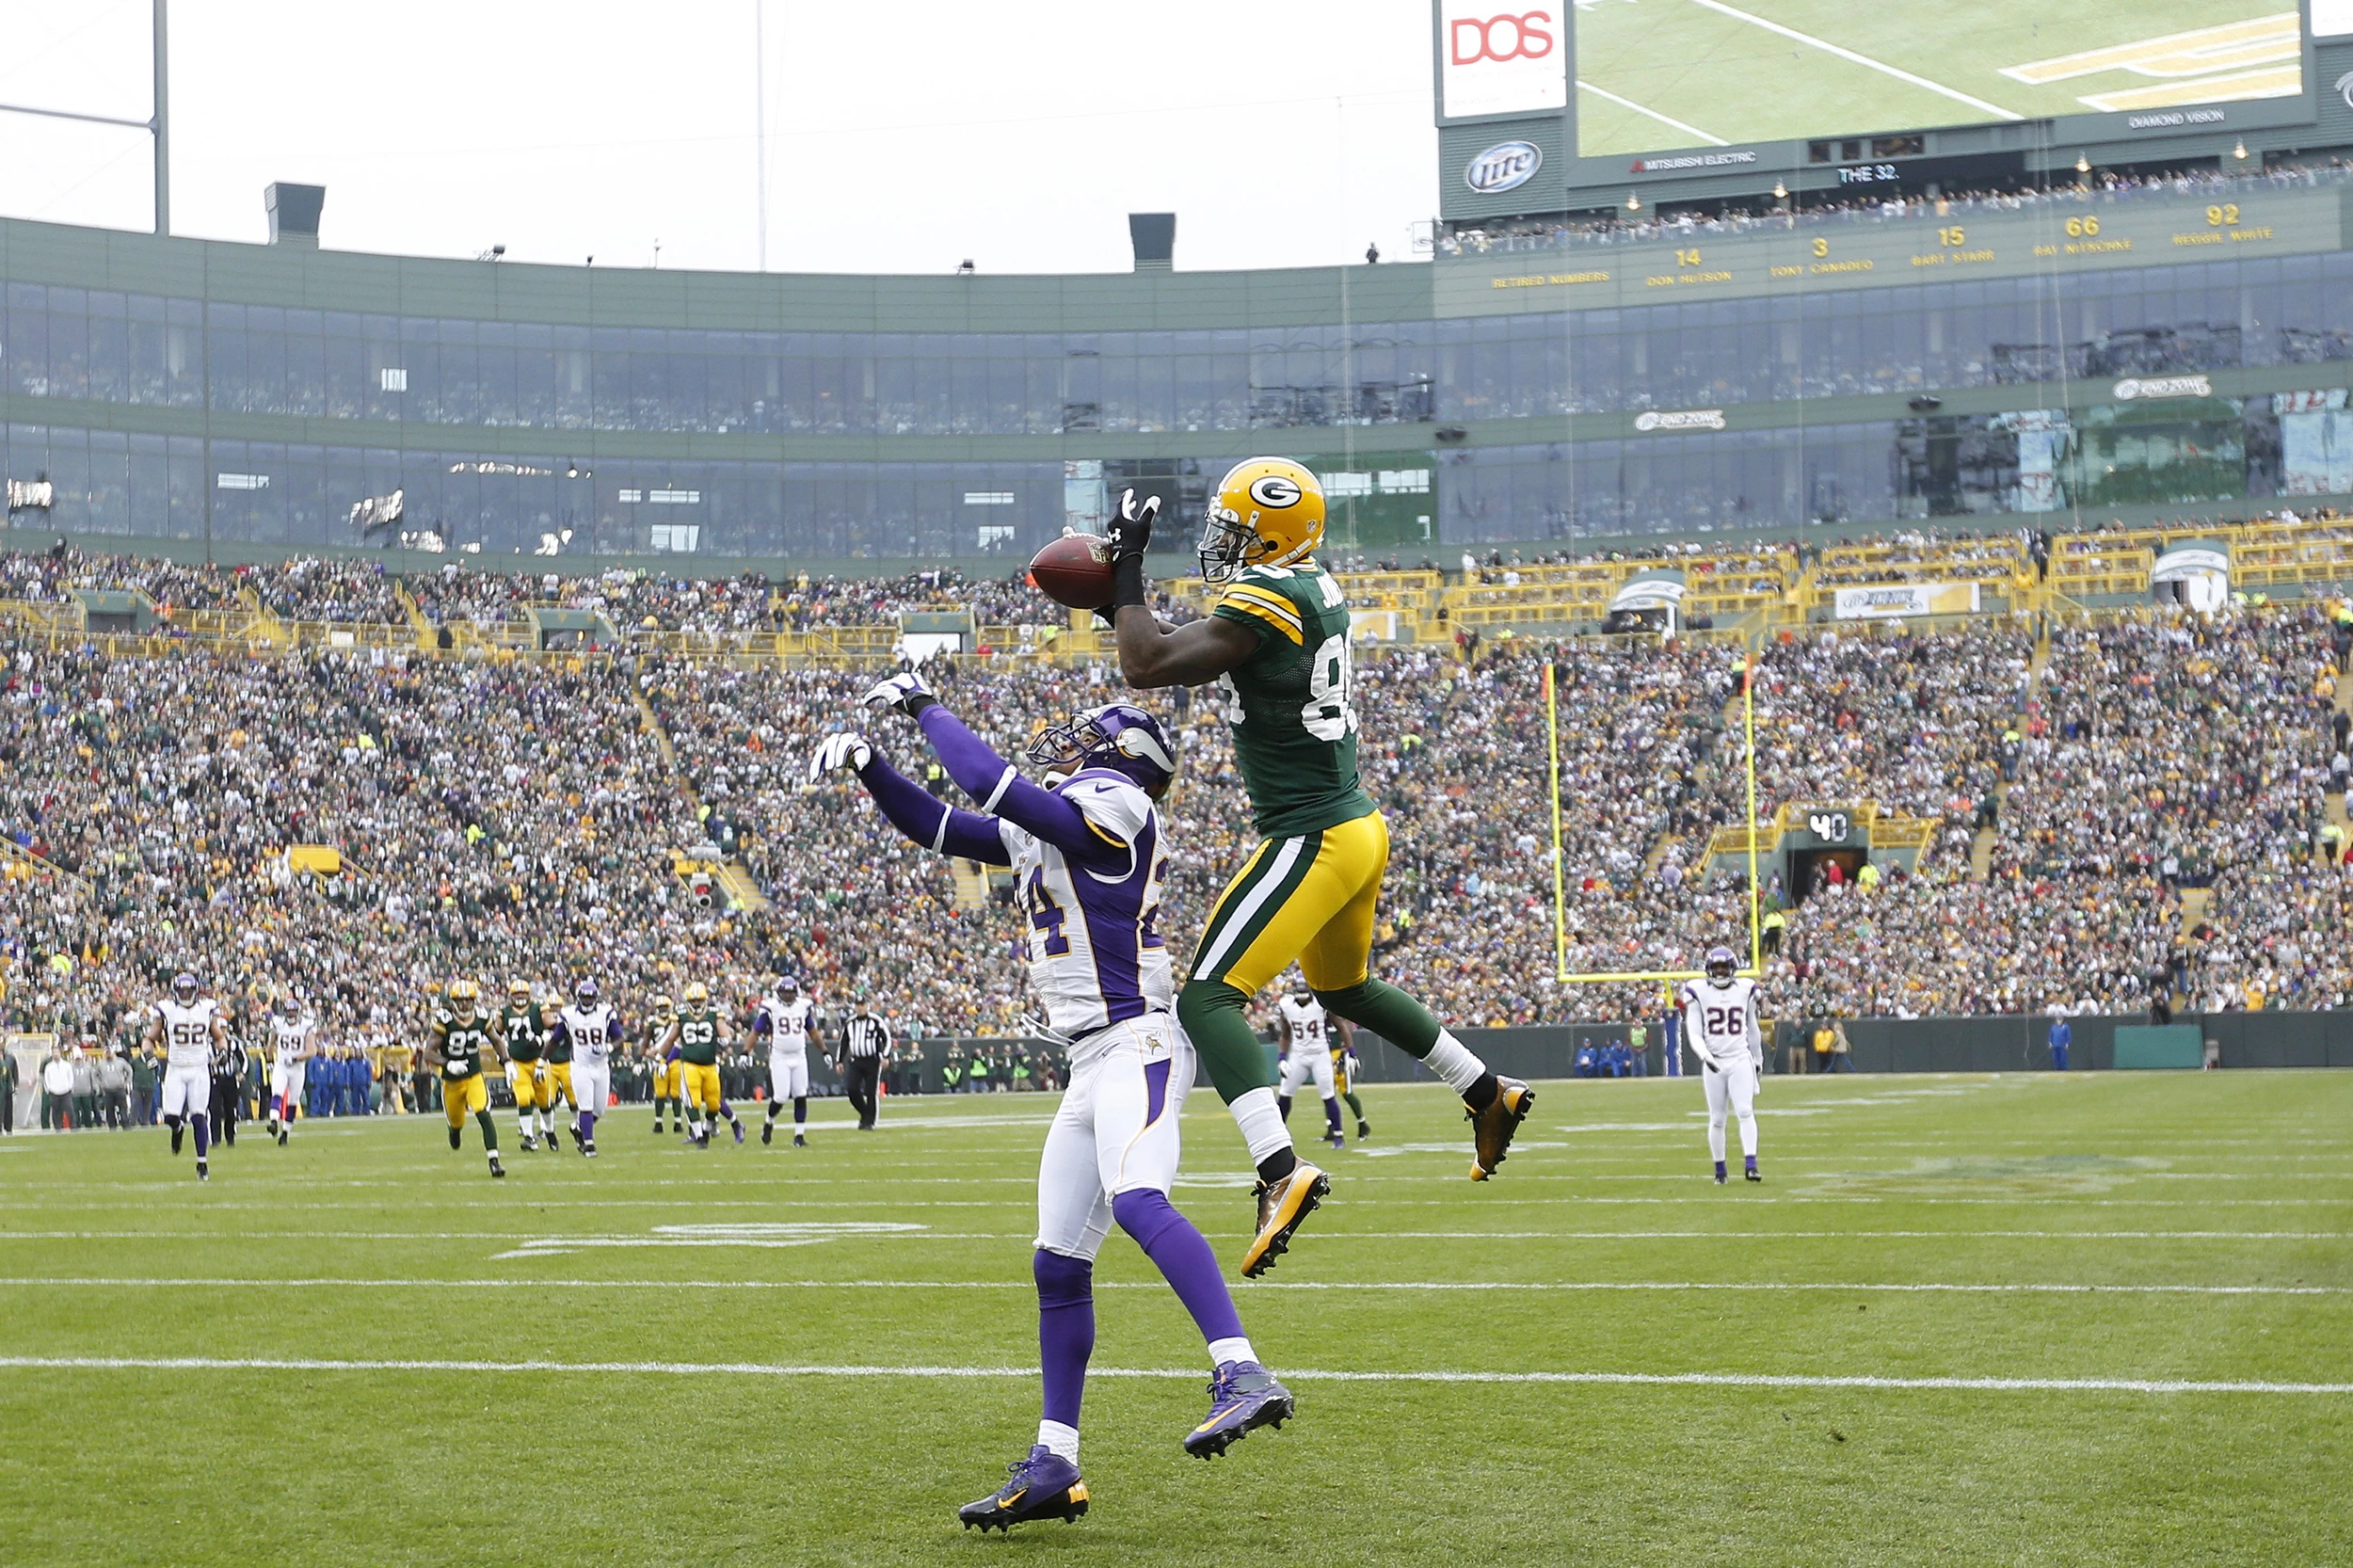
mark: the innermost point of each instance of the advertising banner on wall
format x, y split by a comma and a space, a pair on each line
1496, 59
1893, 601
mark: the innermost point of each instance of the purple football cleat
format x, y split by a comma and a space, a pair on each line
1043, 1486
1242, 1395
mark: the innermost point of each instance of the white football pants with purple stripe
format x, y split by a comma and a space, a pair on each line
1115, 1133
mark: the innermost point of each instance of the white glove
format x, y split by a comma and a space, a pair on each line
899, 693
848, 749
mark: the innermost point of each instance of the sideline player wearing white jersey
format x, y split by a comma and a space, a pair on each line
784, 1017
1307, 1048
1088, 863
590, 1028
188, 1027
1719, 1026
291, 1049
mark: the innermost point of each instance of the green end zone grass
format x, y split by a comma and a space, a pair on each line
1739, 83
1600, 1248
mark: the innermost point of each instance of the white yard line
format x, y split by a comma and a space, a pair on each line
1188, 1374
1866, 61
1584, 85
210, 1240
1539, 1287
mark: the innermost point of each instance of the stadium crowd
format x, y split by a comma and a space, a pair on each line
527, 817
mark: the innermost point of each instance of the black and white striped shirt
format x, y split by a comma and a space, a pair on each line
864, 1034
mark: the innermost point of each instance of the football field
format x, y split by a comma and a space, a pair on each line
1656, 74
2020, 1319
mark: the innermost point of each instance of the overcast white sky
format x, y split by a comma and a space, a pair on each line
904, 134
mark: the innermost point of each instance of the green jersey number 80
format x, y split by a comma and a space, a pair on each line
1327, 714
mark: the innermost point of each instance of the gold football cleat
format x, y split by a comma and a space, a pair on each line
1492, 1129
1282, 1205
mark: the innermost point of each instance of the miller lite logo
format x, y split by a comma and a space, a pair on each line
1506, 166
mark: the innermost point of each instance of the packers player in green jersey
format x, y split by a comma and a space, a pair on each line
524, 1031
698, 1031
461, 1036
1277, 643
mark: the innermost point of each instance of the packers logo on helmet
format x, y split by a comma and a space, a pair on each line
1267, 512
697, 994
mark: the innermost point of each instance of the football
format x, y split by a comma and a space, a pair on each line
1074, 569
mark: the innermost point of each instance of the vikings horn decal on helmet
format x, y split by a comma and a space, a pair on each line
1721, 966
1119, 735
184, 987
1267, 512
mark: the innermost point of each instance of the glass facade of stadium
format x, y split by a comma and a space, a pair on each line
252, 395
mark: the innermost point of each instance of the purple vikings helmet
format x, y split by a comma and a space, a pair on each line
1721, 966
1119, 735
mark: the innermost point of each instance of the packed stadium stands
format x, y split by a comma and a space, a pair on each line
2107, 803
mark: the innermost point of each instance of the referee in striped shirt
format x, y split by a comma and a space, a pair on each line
864, 1039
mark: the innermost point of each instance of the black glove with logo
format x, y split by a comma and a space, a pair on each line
1131, 536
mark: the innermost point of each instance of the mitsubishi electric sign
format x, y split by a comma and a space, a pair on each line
1502, 56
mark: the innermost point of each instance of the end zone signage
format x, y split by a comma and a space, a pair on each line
1502, 56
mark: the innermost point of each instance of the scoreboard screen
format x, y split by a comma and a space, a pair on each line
1692, 75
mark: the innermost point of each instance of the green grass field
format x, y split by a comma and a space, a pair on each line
2089, 1240
1652, 72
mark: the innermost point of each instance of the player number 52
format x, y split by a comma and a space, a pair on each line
1327, 714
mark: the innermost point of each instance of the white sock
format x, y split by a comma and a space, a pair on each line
1261, 1124
1456, 1067
522, 1123
1747, 1135
1716, 1138
1063, 1440
1225, 1353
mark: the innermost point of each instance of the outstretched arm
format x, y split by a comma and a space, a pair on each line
934, 824
1152, 654
1000, 788
996, 784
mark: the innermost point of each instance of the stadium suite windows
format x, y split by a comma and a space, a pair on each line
110, 347
866, 443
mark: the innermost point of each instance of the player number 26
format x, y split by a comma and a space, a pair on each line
1327, 713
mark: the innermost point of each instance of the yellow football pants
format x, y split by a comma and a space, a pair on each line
462, 1098
560, 1083
702, 1087
1309, 898
531, 1085
667, 1076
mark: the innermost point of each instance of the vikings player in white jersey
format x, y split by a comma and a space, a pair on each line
188, 1026
291, 1049
1088, 863
1719, 1026
1307, 1056
590, 1027
783, 1016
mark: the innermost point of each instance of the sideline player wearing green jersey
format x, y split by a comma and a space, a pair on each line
456, 1043
1277, 643
524, 1031
698, 1031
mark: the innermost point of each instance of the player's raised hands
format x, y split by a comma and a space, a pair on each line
1130, 532
905, 693
848, 750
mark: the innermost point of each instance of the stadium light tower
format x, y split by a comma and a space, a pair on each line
158, 124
